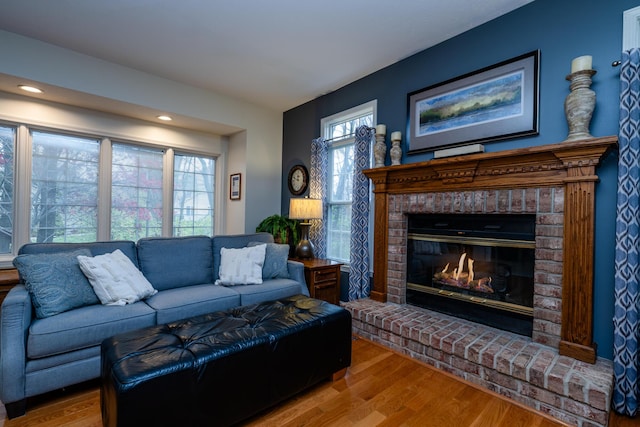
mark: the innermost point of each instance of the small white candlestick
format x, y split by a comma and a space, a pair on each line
581, 63
396, 151
379, 150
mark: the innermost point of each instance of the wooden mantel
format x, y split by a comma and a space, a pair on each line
571, 165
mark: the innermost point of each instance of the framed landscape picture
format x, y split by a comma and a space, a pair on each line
493, 103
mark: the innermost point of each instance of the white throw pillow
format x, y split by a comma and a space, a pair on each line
241, 266
115, 279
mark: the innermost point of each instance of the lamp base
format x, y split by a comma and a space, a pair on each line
305, 247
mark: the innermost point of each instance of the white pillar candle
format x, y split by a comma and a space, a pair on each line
381, 129
396, 135
581, 63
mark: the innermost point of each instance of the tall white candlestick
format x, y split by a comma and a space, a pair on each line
581, 63
381, 129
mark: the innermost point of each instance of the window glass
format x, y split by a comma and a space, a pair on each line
136, 192
64, 188
193, 195
7, 144
341, 180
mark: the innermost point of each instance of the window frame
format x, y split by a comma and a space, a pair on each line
326, 124
216, 188
631, 28
62, 138
164, 182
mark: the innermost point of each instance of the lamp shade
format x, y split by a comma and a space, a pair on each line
305, 209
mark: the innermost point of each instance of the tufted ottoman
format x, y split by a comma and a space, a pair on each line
223, 367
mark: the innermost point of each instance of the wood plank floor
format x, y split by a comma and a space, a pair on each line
381, 388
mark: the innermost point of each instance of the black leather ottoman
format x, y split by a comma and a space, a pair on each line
221, 368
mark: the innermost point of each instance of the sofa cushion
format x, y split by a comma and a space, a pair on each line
275, 260
177, 304
85, 327
269, 290
68, 359
234, 241
172, 262
114, 278
241, 266
97, 248
55, 282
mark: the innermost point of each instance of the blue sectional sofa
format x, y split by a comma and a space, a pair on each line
38, 355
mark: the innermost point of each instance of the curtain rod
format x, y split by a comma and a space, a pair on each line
347, 135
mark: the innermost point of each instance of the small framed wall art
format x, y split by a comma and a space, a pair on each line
235, 186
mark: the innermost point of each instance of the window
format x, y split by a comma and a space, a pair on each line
7, 144
60, 178
193, 195
64, 188
631, 28
339, 130
136, 192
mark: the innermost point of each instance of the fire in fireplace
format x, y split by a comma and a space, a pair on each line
478, 267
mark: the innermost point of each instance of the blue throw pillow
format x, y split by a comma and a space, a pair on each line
275, 260
55, 282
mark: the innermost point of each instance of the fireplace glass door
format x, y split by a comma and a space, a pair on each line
477, 267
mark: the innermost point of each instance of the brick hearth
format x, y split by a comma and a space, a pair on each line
575, 392
550, 371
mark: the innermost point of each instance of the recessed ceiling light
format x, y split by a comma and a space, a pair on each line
164, 118
31, 89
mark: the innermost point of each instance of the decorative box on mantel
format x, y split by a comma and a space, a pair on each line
511, 181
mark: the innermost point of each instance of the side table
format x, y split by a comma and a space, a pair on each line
8, 279
323, 278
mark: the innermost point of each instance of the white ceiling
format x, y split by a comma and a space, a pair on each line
275, 53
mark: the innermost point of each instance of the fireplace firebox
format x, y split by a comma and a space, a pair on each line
477, 267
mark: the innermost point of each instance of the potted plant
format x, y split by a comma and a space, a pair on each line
283, 229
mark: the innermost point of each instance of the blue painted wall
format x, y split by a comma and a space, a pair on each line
561, 30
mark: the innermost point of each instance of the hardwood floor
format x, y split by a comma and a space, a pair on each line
381, 388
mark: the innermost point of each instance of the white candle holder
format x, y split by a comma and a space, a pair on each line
395, 151
379, 150
579, 104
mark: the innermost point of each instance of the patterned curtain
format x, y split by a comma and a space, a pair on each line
359, 270
626, 355
318, 190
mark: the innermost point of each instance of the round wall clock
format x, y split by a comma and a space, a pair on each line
298, 180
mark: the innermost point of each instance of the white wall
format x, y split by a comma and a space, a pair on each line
262, 128
236, 209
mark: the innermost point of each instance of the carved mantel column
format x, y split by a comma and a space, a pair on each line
568, 164
381, 225
578, 249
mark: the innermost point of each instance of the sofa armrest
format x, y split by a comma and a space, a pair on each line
15, 319
296, 272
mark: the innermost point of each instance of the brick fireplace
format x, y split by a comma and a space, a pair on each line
556, 370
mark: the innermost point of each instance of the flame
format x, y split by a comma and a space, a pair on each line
458, 277
460, 266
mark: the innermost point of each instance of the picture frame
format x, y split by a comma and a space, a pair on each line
235, 186
493, 103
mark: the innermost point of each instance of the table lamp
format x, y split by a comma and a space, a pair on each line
305, 209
